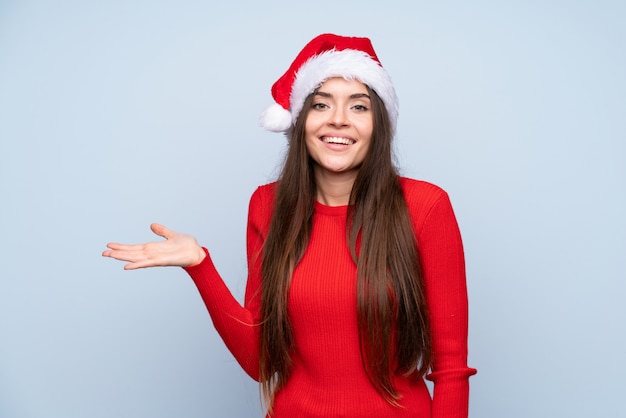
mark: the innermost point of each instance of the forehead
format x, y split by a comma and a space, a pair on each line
342, 85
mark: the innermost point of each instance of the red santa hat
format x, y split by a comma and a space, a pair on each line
327, 56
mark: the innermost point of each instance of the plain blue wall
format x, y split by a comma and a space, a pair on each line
121, 113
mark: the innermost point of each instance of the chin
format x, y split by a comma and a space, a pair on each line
338, 170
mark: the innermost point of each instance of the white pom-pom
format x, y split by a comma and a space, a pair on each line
275, 118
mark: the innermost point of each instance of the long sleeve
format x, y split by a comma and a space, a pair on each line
441, 254
236, 324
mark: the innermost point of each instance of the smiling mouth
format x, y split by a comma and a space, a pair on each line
337, 140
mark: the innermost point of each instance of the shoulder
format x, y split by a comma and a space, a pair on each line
262, 204
424, 200
421, 193
264, 193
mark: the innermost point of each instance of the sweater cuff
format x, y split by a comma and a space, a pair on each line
205, 265
454, 374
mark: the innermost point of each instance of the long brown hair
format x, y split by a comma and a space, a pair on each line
392, 313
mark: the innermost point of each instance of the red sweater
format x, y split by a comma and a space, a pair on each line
328, 379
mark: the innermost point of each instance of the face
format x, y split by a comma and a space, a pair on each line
338, 127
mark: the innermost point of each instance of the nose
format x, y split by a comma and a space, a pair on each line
338, 117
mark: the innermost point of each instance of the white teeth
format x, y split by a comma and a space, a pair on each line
337, 140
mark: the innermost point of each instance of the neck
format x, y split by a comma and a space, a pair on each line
333, 189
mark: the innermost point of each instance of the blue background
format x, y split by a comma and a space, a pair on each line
120, 113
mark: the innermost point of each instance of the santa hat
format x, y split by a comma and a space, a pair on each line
324, 57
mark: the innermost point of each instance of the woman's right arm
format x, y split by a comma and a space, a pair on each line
238, 326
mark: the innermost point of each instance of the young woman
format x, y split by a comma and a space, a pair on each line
356, 288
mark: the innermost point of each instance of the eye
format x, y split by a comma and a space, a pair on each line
319, 106
360, 108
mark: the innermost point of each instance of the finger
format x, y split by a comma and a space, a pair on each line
111, 253
141, 264
132, 256
133, 266
125, 247
161, 230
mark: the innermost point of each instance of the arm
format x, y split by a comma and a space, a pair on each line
441, 252
238, 326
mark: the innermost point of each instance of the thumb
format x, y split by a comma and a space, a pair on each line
161, 230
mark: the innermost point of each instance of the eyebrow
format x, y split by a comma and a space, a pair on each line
352, 96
